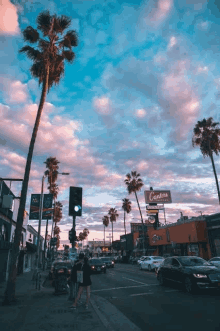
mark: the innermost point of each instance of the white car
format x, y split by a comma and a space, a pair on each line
151, 263
215, 261
141, 259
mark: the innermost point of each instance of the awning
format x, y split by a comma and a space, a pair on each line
31, 247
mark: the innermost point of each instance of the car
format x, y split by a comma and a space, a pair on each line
151, 263
215, 261
97, 265
108, 261
192, 272
59, 264
142, 258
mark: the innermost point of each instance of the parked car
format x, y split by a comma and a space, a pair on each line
97, 265
142, 258
191, 272
151, 262
108, 261
215, 261
59, 264
133, 260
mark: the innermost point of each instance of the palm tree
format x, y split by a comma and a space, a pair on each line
207, 137
126, 206
48, 67
105, 221
52, 174
134, 183
113, 215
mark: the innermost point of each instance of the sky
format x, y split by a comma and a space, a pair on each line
145, 72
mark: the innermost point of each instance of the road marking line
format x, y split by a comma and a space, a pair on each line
134, 280
134, 295
117, 288
171, 291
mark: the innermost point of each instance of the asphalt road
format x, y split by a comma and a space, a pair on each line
151, 307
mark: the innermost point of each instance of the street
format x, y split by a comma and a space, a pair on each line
152, 307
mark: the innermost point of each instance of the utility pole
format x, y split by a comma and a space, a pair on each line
45, 245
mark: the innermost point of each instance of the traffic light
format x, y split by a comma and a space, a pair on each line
75, 201
72, 235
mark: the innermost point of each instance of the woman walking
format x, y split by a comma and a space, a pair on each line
85, 284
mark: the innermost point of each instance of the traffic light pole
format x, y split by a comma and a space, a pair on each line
74, 229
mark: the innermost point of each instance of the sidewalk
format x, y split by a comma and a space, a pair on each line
42, 310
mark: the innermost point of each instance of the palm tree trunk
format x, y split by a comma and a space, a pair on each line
9, 294
142, 222
104, 235
112, 236
125, 231
216, 178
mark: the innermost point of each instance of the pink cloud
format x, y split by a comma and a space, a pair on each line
102, 105
8, 18
160, 13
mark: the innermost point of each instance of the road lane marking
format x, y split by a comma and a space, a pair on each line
134, 280
134, 295
117, 288
171, 291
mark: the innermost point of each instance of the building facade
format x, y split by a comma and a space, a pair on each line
185, 237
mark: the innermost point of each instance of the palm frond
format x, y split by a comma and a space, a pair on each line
31, 35
70, 39
38, 71
44, 21
69, 56
61, 23
31, 52
44, 45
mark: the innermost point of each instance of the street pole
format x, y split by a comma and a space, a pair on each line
74, 229
39, 224
45, 245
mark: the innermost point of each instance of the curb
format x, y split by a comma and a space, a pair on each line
101, 316
112, 318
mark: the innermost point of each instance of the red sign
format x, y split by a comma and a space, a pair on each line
157, 196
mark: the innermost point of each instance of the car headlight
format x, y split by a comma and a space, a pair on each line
92, 267
112, 262
200, 276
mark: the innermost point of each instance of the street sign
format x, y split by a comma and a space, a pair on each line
158, 207
153, 211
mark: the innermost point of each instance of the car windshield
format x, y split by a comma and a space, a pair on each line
193, 261
106, 259
95, 261
157, 258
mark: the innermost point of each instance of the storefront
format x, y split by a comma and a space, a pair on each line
213, 229
182, 238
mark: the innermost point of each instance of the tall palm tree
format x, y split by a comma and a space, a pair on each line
126, 206
105, 221
113, 214
134, 183
52, 174
48, 67
207, 137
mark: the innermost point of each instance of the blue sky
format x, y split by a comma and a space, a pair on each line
145, 72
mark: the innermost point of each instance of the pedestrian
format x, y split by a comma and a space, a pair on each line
86, 282
73, 276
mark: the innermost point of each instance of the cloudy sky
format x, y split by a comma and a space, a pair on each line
145, 72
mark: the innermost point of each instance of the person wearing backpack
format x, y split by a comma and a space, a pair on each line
84, 283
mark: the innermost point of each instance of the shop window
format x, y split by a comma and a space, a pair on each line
4, 233
217, 246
